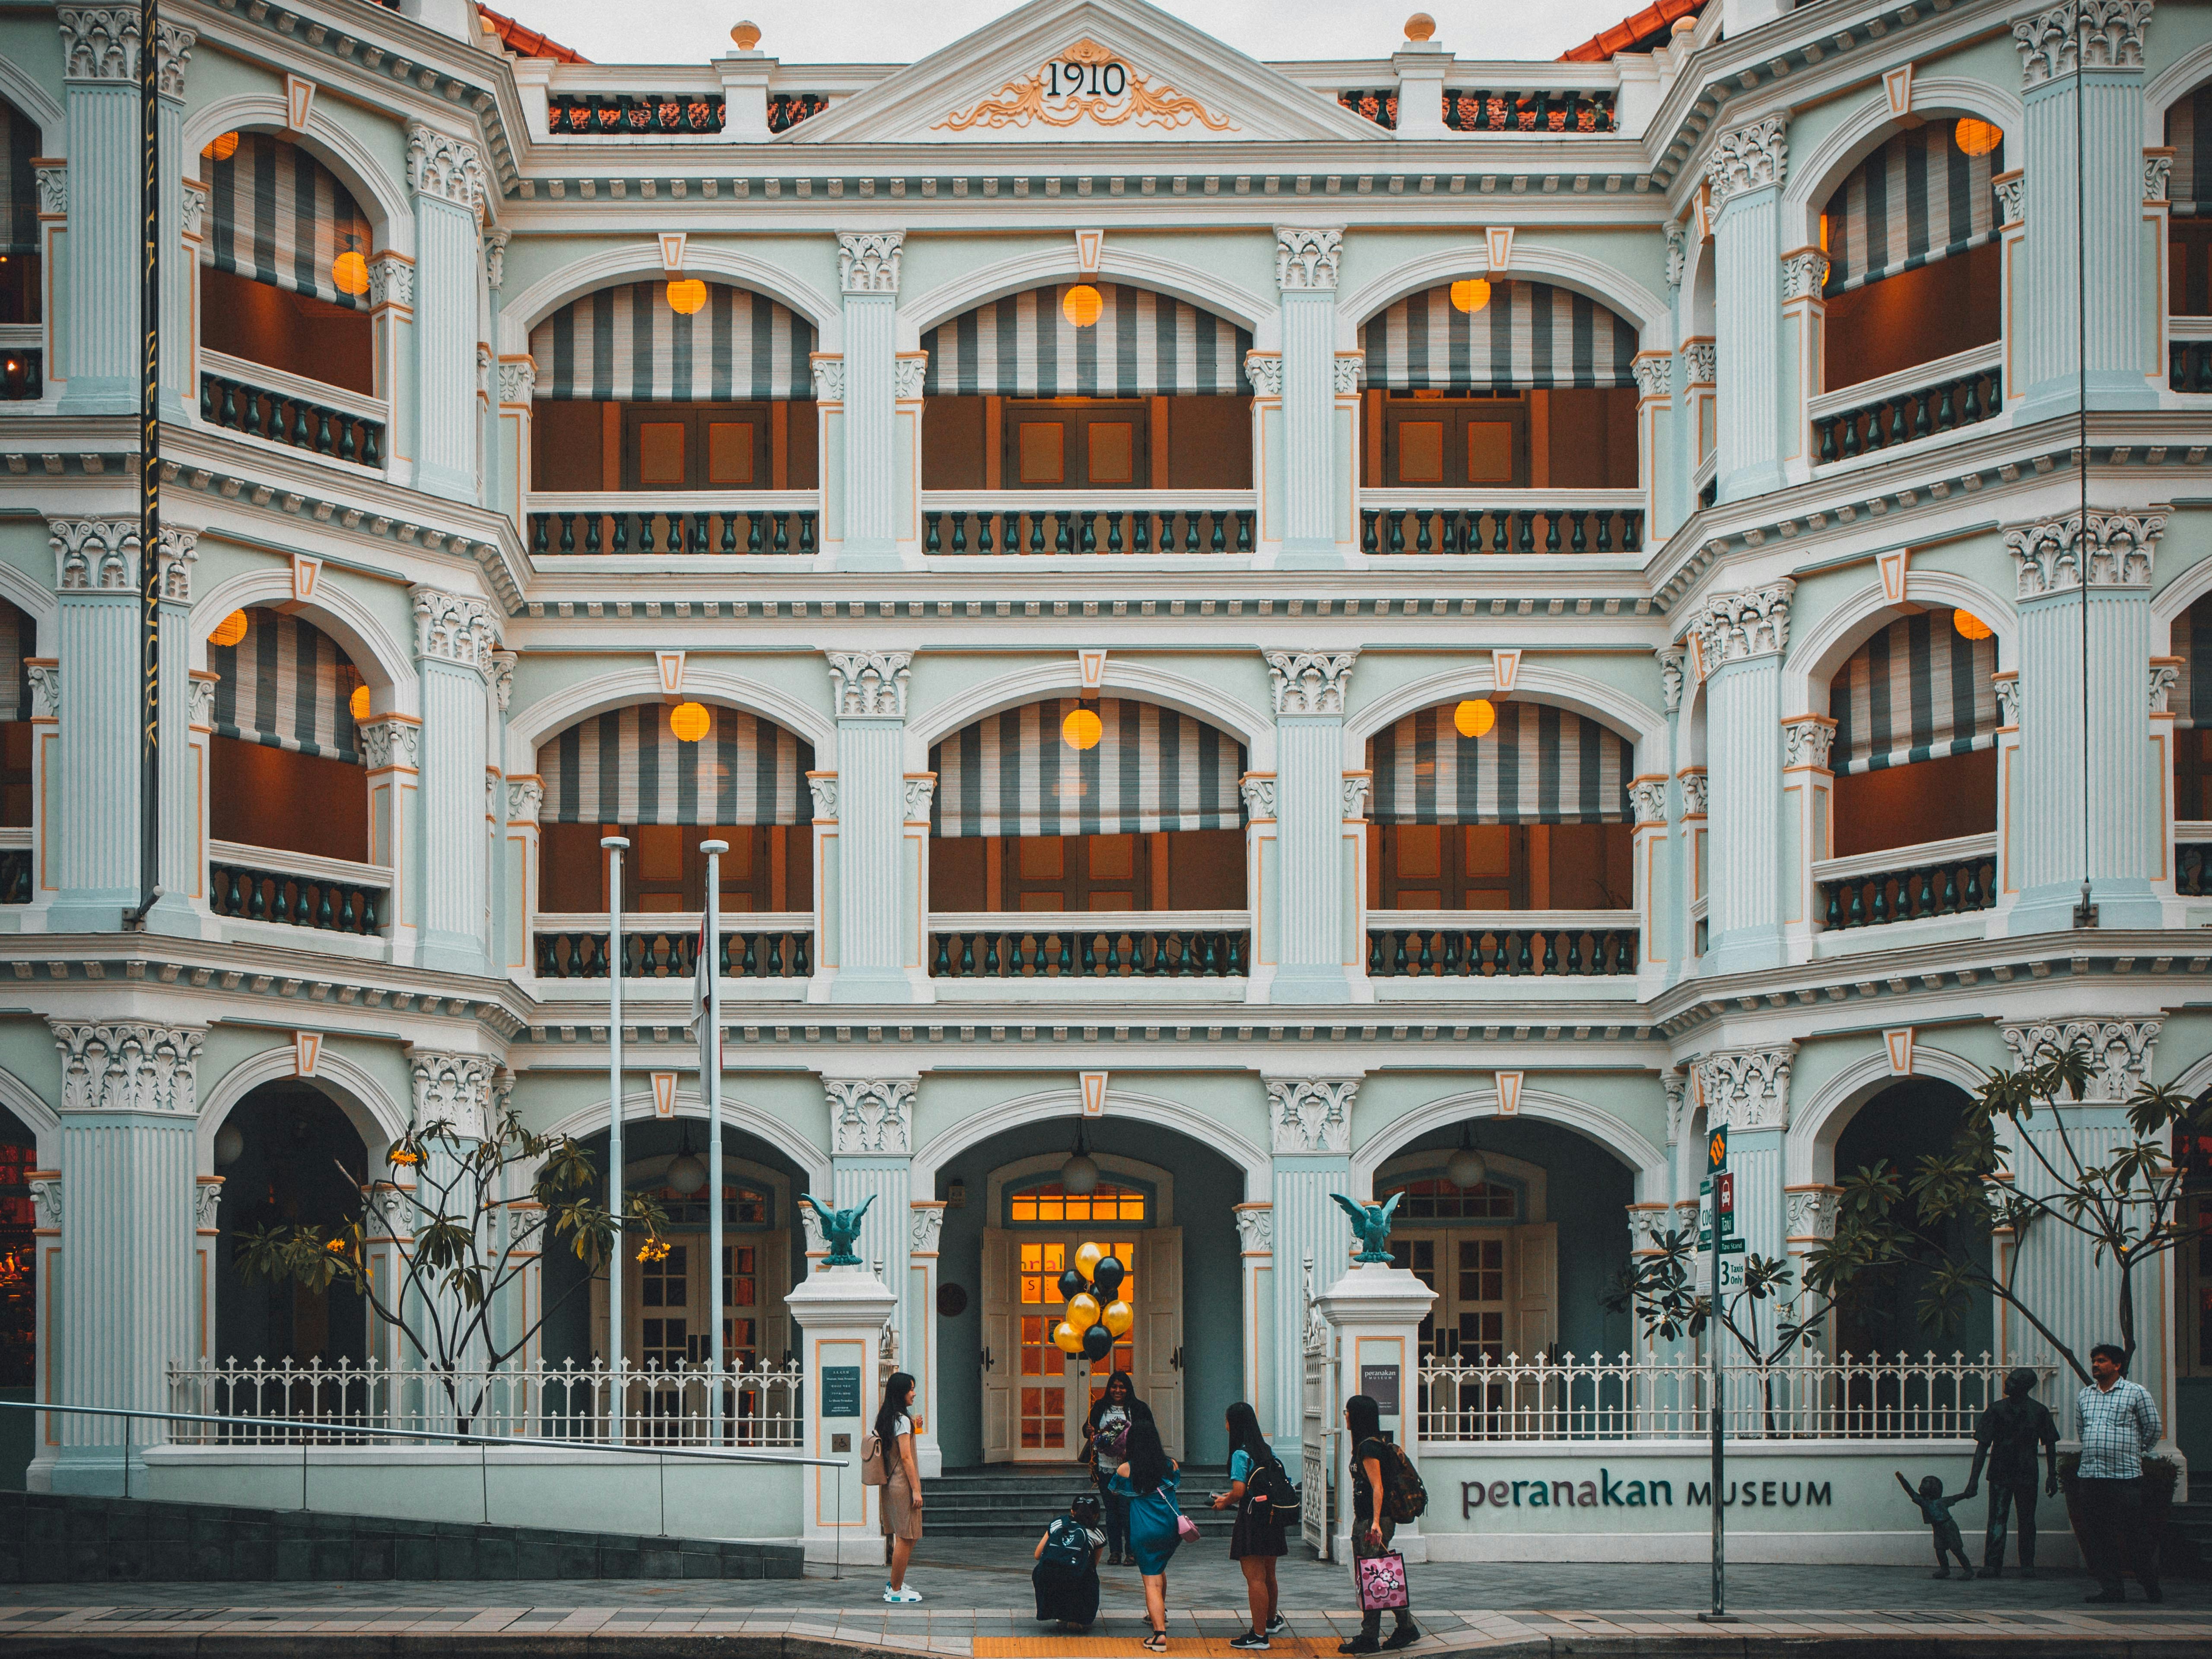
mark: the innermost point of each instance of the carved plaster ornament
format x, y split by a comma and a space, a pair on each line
1807, 742
44, 674
1810, 1211
124, 1066
99, 43
920, 790
1673, 659
1804, 273
447, 168
868, 261
455, 1089
1701, 361
1655, 375
871, 1116
828, 377
52, 182
1310, 682
98, 554
2119, 1051
1739, 627
1350, 369
1256, 1227
1258, 789
1696, 792
1677, 1087
46, 1199
452, 627
1746, 1089
2117, 546
1090, 68
2164, 672
526, 799
1312, 1114
2108, 33
870, 684
1648, 799
1746, 158
1357, 788
393, 740
1307, 258
390, 280
823, 786
175, 555
925, 1222
1264, 371
517, 380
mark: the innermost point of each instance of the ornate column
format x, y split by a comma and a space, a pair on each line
1657, 465
1316, 951
1701, 417
1804, 313
1652, 879
1808, 1221
1263, 882
179, 390
1266, 1342
1311, 1121
92, 806
877, 474
392, 750
2095, 781
179, 864
449, 181
879, 885
1748, 1090
872, 1147
456, 1090
1738, 640
392, 322
1807, 793
1743, 178
2082, 180
129, 1108
525, 796
454, 637
918, 1343
1313, 479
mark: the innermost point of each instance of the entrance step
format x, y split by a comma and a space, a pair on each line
2187, 1552
1020, 1500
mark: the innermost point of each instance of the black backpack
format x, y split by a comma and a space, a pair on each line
1269, 1493
1066, 1546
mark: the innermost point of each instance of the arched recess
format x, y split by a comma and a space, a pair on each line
2185, 75
921, 312
375, 1116
737, 1114
34, 1114
34, 599
1624, 1143
387, 663
981, 1126
391, 213
1063, 677
530, 727
1809, 1150
1869, 125
1817, 651
39, 106
1531, 260
1535, 682
525, 309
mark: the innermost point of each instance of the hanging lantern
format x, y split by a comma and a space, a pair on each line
221, 146
1470, 294
229, 1145
1083, 306
230, 630
1082, 729
1467, 1168
687, 1175
1969, 626
1976, 137
688, 722
350, 272
357, 704
1080, 1174
686, 295
1475, 717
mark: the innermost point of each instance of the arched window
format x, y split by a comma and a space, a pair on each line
23, 250
1047, 1203
1915, 749
19, 643
2189, 223
285, 769
2190, 700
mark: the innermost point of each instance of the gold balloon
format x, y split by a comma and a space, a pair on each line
1118, 1317
1083, 1312
1086, 1259
1066, 1338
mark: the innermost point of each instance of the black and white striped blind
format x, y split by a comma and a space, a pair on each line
1153, 769
1530, 335
1538, 764
2189, 130
286, 685
1917, 690
627, 344
1143, 344
18, 642
627, 767
1917, 200
20, 180
276, 214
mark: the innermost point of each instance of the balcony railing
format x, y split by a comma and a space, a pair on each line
661, 523
1082, 522
1962, 390
1376, 104
2188, 354
284, 409
2192, 860
1907, 883
14, 865
641, 114
1546, 109
1501, 521
1090, 944
266, 883
763, 944
1510, 943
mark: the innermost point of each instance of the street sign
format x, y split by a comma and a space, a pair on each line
1717, 1149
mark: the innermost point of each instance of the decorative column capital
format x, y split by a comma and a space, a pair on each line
119, 1067
394, 740
494, 252
391, 280
2119, 1051
868, 261
2006, 686
1696, 792
1678, 253
44, 674
94, 554
1676, 1086
447, 168
871, 1116
1264, 369
454, 1090
2117, 546
2164, 672
46, 1187
1258, 790
1807, 741
2158, 175
1655, 374
1311, 1114
451, 627
1310, 682
909, 373
1255, 1228
1804, 273
1746, 1089
1747, 158
1358, 787
99, 43
1673, 659
2011, 191
823, 786
920, 790
517, 380
1809, 1212
1648, 1227
175, 555
1307, 258
828, 373
2109, 33
502, 678
870, 684
199, 711
52, 182
925, 1223
1701, 362
1647, 797
1350, 369
173, 50
525, 798
207, 1203
1739, 627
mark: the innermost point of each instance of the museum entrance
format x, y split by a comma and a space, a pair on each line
1055, 1390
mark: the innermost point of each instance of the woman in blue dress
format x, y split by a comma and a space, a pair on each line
1147, 1479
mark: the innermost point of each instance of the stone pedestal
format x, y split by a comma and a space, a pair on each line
1376, 1311
841, 1313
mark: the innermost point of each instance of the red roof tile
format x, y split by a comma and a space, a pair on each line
529, 43
1646, 29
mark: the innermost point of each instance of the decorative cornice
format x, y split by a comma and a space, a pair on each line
909, 373
829, 379
525, 798
2158, 175
1809, 1212
391, 280
1647, 797
2011, 190
1673, 663
44, 674
1310, 682
871, 1116
1739, 627
2119, 546
1264, 369
1306, 258
1311, 1114
870, 684
451, 627
2119, 1051
453, 1088
1803, 274
393, 740
1747, 158
1701, 361
124, 1068
94, 554
868, 261
925, 1223
446, 168
1256, 1227
99, 43
495, 250
1807, 741
2108, 32
1258, 789
823, 786
1746, 1089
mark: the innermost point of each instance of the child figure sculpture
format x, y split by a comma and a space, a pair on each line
1936, 1510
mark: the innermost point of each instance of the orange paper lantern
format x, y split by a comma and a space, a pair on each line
230, 630
1470, 294
1475, 717
1970, 625
1977, 137
686, 295
688, 722
1084, 305
357, 704
350, 272
221, 146
1082, 729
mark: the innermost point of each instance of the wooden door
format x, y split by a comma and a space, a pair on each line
1050, 873
694, 446
1536, 1289
1455, 443
1160, 1317
1077, 443
1000, 1361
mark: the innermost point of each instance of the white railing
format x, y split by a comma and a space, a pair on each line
758, 1405
1846, 1398
1084, 943
1482, 944
295, 386
1957, 366
664, 945
300, 889
1906, 884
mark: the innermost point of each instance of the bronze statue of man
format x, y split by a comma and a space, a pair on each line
2006, 1439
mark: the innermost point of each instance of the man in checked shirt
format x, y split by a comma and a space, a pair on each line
2119, 1425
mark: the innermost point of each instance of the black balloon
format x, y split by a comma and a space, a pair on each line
1071, 1285
1106, 1278
1098, 1343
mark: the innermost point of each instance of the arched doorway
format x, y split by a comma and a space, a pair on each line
2189, 232
19, 1295
19, 643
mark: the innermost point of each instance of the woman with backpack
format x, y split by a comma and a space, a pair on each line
1103, 1433
1066, 1577
1257, 1488
901, 1500
1378, 1495
1147, 1477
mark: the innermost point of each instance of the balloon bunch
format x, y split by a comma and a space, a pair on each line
1097, 1317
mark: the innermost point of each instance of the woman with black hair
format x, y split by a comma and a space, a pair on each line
1147, 1479
1373, 1458
1103, 1433
902, 1501
1257, 1540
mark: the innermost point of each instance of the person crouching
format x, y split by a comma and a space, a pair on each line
1066, 1572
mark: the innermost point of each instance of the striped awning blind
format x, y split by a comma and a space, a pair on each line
286, 685
1143, 344
276, 214
1529, 335
1917, 690
18, 642
2189, 130
627, 344
20, 181
2190, 697
1917, 200
1153, 769
626, 766
1538, 764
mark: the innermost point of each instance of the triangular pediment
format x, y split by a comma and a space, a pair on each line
1061, 71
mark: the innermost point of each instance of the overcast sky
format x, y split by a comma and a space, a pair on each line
878, 31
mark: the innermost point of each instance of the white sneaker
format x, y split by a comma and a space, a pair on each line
901, 1597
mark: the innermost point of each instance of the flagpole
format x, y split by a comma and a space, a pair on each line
710, 1064
617, 1193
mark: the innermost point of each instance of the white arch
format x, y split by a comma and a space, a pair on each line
2169, 87
31, 1111
1608, 1132
24, 92
1868, 124
386, 663
637, 683
35, 600
979, 1126
1816, 653
813, 1163
1562, 265
1808, 1154
1062, 676
1697, 321
629, 262
359, 169
924, 311
1535, 682
377, 1118
2167, 605
2196, 1077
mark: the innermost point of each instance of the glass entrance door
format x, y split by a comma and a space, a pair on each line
1056, 1390
1468, 1269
